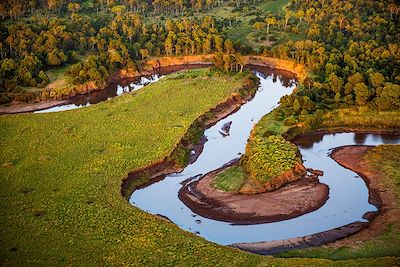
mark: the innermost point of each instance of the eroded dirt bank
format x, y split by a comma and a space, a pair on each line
151, 67
30, 107
350, 157
292, 200
380, 195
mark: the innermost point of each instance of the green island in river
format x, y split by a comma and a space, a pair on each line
64, 175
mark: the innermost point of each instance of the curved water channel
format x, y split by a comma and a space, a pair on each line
348, 195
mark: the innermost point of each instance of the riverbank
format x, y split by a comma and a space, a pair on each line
190, 146
18, 107
151, 67
380, 195
289, 201
379, 167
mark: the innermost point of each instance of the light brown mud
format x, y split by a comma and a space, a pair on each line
292, 200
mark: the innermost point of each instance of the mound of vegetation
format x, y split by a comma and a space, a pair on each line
270, 162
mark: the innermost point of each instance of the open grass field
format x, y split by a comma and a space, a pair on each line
362, 117
230, 179
275, 7
61, 175
385, 158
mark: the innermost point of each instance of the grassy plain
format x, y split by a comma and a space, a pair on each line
61, 175
362, 117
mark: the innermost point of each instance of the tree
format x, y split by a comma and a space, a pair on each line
296, 106
144, 53
288, 15
352, 81
207, 46
43, 77
73, 7
376, 79
258, 26
229, 47
219, 43
335, 83
241, 61
363, 94
389, 98
218, 60
270, 21
300, 15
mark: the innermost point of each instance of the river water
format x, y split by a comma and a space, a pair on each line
118, 88
348, 195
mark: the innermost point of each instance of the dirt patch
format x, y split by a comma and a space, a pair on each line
384, 198
292, 200
18, 107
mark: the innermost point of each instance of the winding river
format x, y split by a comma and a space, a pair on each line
348, 195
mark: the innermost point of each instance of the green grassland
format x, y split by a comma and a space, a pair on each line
385, 158
230, 180
61, 179
362, 117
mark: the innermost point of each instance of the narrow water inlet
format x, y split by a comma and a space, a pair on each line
348, 199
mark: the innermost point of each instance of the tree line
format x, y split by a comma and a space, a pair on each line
15, 9
96, 46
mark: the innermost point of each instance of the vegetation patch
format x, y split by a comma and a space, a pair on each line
230, 179
269, 157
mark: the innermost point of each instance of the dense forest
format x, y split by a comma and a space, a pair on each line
351, 48
29, 48
353, 51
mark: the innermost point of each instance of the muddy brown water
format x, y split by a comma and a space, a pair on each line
348, 196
